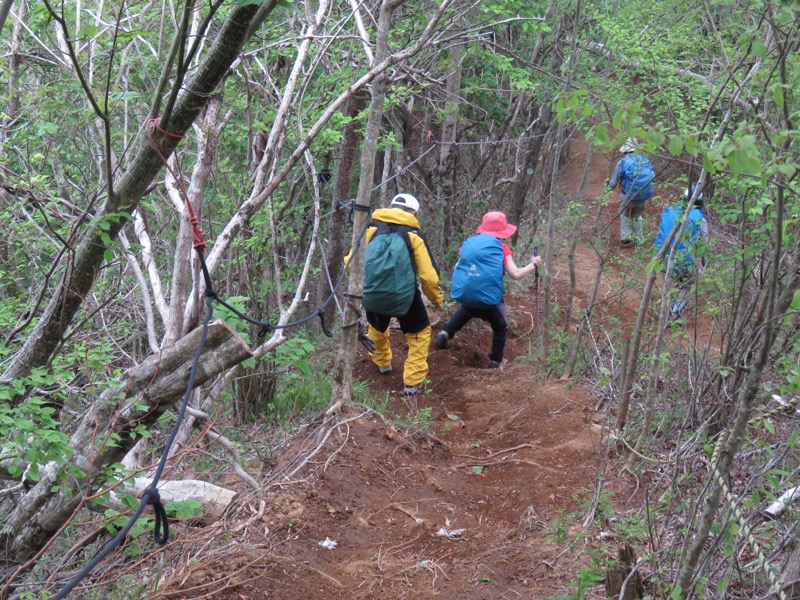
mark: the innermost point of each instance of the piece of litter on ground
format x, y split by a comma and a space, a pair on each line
456, 533
328, 543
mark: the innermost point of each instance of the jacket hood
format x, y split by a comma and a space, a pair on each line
397, 216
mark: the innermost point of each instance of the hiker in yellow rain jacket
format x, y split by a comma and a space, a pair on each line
414, 323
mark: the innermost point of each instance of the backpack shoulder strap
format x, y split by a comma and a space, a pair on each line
403, 231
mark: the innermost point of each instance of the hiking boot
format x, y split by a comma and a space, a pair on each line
493, 364
410, 390
385, 370
441, 339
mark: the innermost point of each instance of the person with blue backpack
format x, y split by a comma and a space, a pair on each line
634, 175
477, 283
687, 250
397, 253
690, 250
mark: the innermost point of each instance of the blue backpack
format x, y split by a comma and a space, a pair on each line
637, 177
478, 276
683, 256
390, 274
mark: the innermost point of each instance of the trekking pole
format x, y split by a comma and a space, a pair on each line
536, 287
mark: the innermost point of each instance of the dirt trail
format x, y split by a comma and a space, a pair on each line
463, 512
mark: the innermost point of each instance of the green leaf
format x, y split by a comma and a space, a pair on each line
759, 49
675, 145
242, 3
742, 161
796, 300
692, 145
477, 469
304, 368
777, 93
601, 134
709, 165
452, 417
128, 95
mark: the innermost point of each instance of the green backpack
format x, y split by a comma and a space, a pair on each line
390, 275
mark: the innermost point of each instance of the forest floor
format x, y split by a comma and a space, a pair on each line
483, 496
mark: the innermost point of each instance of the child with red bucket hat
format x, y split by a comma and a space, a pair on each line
477, 283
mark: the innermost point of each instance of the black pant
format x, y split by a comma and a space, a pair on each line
494, 315
414, 321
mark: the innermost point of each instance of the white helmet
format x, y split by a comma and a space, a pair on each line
406, 201
628, 146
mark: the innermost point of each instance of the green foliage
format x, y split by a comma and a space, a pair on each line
633, 528
296, 352
362, 395
29, 425
302, 390
184, 510
587, 578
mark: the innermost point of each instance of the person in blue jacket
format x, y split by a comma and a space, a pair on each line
690, 250
633, 175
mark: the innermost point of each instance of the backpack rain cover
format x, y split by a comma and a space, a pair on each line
390, 279
637, 177
478, 275
683, 255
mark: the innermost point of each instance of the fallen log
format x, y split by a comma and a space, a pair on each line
777, 508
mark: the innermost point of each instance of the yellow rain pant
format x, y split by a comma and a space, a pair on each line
383, 350
415, 369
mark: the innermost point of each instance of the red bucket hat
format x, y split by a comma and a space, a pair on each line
495, 223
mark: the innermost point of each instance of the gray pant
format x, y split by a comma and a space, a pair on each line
630, 220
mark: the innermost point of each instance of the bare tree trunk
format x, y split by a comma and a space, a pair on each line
345, 357
537, 129
602, 254
13, 66
342, 180
573, 240
790, 577
208, 134
446, 170
544, 341
5, 8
